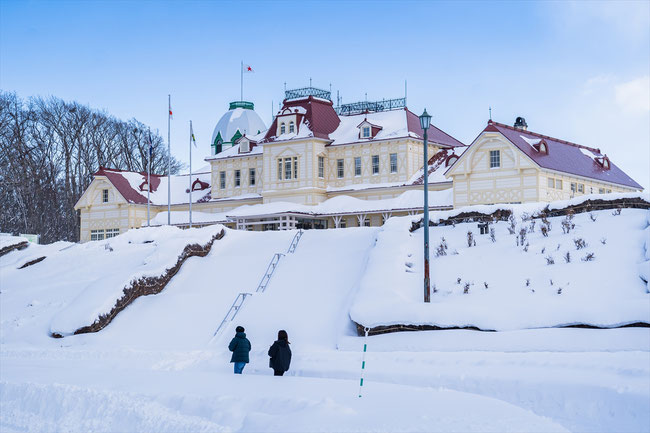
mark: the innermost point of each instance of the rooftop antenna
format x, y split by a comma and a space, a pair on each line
309, 81
285, 86
330, 88
338, 99
366, 96
490, 113
272, 115
405, 92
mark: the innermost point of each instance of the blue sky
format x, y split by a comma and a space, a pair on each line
578, 71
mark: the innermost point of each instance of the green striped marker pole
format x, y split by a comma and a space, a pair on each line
363, 359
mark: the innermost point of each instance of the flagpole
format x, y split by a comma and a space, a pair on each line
149, 182
169, 161
241, 95
191, 134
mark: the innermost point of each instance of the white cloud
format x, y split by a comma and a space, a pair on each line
634, 96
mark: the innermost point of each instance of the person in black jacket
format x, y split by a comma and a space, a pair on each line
239, 346
280, 354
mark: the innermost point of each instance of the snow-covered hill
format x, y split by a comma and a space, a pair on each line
157, 367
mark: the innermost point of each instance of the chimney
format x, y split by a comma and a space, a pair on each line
520, 123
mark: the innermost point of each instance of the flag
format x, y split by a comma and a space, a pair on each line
247, 68
150, 146
192, 134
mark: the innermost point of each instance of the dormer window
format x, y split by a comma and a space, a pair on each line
144, 186
366, 132
283, 128
292, 127
245, 146
606, 163
542, 147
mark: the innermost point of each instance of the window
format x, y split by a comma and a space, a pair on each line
222, 179
339, 168
97, 235
581, 187
245, 146
393, 163
105, 196
321, 167
344, 223
279, 168
375, 164
366, 222
558, 183
291, 127
609, 191
366, 132
287, 169
237, 178
357, 166
495, 158
551, 182
111, 233
574, 187
251, 176
601, 190
283, 128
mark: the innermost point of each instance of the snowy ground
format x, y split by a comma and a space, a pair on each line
157, 368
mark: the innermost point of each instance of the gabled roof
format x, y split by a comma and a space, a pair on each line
563, 156
319, 116
128, 184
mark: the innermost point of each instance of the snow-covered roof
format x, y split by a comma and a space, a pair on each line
128, 185
409, 200
244, 120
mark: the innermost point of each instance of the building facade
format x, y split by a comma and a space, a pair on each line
509, 164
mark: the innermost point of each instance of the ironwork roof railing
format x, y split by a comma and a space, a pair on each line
307, 91
367, 106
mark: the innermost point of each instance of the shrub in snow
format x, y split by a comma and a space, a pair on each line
435, 290
603, 241
466, 288
543, 249
550, 261
470, 239
458, 281
522, 235
454, 253
531, 227
512, 225
527, 282
108, 247
567, 223
567, 257
526, 247
485, 284
492, 235
551, 281
617, 211
559, 291
579, 243
592, 217
589, 257
441, 250
558, 247
545, 227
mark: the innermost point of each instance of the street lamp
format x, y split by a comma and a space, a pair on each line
425, 122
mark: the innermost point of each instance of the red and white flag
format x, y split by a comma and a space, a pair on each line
248, 68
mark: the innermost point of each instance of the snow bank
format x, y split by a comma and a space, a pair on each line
147, 252
10, 243
507, 287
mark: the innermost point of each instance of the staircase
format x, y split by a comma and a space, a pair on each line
261, 287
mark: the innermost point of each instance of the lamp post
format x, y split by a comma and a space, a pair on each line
425, 122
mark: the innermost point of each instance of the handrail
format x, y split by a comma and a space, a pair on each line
294, 242
234, 309
269, 272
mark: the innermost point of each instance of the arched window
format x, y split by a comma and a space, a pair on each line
283, 128
291, 127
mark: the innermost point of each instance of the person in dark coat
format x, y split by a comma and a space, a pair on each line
240, 347
280, 354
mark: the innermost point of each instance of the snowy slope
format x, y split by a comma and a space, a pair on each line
523, 290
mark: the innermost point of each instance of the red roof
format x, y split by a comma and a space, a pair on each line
434, 134
320, 116
564, 156
131, 195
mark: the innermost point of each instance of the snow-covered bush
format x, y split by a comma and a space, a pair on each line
550, 260
567, 257
589, 257
492, 234
470, 239
580, 243
441, 249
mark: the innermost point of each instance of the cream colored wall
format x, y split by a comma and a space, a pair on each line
243, 163
474, 182
590, 186
97, 215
